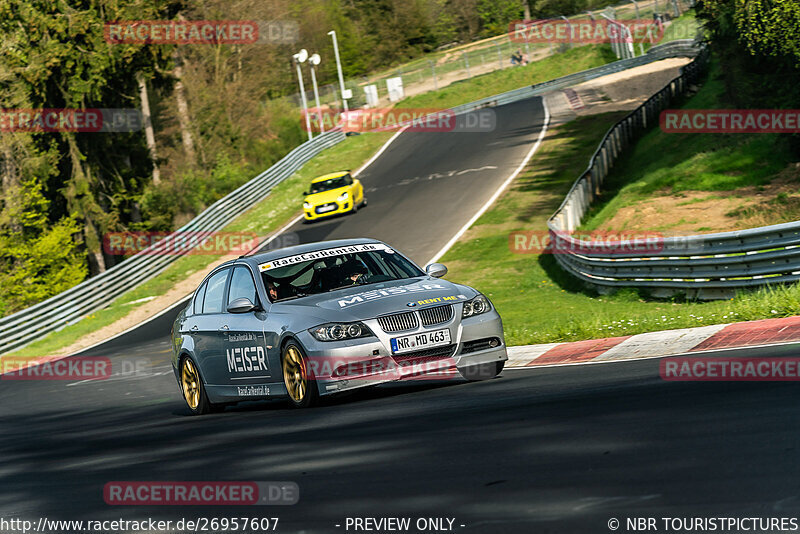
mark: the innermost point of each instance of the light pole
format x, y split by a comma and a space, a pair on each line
314, 60
300, 57
571, 34
332, 33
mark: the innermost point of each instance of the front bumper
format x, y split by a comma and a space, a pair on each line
311, 214
346, 365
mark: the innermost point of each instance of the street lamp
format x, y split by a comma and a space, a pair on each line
571, 33
332, 33
314, 60
301, 57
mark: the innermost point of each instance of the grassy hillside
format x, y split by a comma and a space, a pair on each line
666, 166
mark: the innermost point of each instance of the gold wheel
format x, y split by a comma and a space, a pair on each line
190, 384
294, 374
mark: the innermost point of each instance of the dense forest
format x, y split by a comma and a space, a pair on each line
216, 109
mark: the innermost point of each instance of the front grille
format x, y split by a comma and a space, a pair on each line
437, 315
424, 356
399, 322
480, 344
326, 208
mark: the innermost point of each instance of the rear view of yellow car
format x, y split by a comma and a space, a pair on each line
333, 194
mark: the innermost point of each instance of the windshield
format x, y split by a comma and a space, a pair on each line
333, 183
336, 271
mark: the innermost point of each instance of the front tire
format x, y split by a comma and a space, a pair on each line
299, 380
194, 391
484, 371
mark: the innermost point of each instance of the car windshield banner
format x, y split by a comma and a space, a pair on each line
326, 253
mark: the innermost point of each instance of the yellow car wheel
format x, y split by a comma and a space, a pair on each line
297, 377
194, 392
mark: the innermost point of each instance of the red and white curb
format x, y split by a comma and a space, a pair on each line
658, 344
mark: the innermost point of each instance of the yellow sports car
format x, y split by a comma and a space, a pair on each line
332, 194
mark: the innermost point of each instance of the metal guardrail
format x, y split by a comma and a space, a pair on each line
73, 304
705, 266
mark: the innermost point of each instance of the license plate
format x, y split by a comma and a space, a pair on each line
422, 340
324, 209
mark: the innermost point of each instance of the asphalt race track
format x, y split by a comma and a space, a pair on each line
427, 185
559, 449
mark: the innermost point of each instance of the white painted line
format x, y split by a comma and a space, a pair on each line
379, 152
134, 327
499, 191
356, 173
276, 235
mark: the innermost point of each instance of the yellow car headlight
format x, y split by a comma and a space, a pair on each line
307, 205
344, 196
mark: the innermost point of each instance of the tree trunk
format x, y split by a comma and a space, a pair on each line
148, 127
94, 246
183, 112
82, 205
8, 168
10, 179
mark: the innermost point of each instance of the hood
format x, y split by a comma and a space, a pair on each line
327, 196
366, 302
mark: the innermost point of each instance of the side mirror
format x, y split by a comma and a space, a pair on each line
241, 305
436, 270
306, 193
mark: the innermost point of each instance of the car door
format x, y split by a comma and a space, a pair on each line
359, 193
185, 337
357, 190
209, 350
246, 360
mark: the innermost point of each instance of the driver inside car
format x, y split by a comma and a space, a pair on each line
354, 273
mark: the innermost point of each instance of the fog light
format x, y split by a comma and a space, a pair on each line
494, 342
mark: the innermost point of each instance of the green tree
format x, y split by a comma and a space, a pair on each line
758, 44
57, 56
37, 259
497, 14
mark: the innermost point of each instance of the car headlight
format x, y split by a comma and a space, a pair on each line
476, 306
344, 196
307, 205
340, 331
